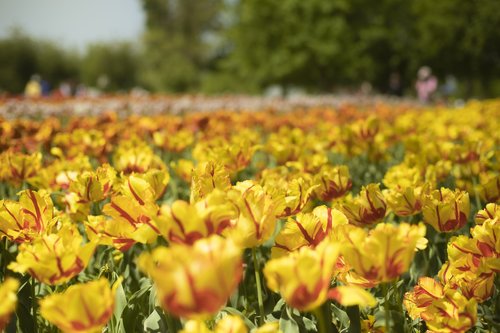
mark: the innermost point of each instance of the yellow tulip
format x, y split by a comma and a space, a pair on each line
176, 141
54, 258
334, 182
28, 218
208, 176
446, 210
452, 313
228, 324
148, 186
424, 293
352, 295
366, 209
82, 308
256, 221
195, 326
195, 281
183, 169
490, 189
307, 229
293, 194
385, 252
273, 327
472, 283
231, 324
444, 309
135, 155
182, 222
303, 277
8, 296
94, 186
490, 212
368, 326
131, 215
16, 168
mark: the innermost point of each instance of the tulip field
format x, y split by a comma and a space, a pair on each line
373, 217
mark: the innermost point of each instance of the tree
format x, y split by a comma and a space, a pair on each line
21, 57
460, 38
177, 42
117, 62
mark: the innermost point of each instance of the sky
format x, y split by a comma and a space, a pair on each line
73, 23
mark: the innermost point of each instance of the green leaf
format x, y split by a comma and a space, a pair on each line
287, 323
235, 312
154, 322
120, 302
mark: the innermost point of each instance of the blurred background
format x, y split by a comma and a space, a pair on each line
266, 47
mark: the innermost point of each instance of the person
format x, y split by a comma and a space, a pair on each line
450, 86
395, 86
426, 84
33, 88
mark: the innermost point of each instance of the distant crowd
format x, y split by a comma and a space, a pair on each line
426, 87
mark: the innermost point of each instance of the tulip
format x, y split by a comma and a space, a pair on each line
82, 308
424, 293
490, 189
446, 210
28, 218
8, 295
307, 229
334, 182
174, 142
256, 221
490, 212
452, 313
131, 216
183, 169
228, 324
147, 187
94, 186
16, 168
135, 155
208, 176
194, 282
185, 223
384, 253
54, 258
366, 209
294, 194
473, 283
303, 277
231, 324
444, 309
272, 327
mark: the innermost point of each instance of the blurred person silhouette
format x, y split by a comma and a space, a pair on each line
45, 86
395, 85
426, 84
33, 88
449, 88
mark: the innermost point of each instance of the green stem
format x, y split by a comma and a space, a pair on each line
259, 288
354, 318
323, 316
476, 195
388, 328
34, 305
172, 323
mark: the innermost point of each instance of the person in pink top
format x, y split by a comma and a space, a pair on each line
426, 84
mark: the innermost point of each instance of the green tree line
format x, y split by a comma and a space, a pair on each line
218, 46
